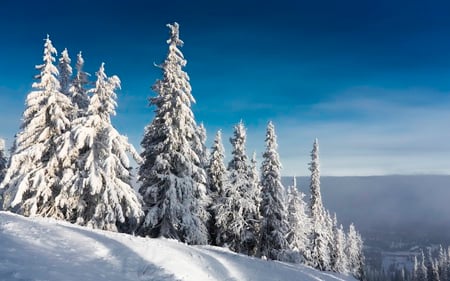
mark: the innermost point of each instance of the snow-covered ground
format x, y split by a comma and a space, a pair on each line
45, 249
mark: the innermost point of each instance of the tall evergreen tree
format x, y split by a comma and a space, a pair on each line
253, 216
170, 173
217, 181
443, 264
299, 224
65, 72
415, 269
274, 225
236, 209
3, 160
319, 252
78, 91
32, 180
354, 251
341, 262
330, 239
99, 193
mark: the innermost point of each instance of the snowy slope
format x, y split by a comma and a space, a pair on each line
44, 249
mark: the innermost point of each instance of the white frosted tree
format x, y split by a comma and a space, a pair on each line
235, 205
78, 91
65, 72
171, 185
415, 269
443, 264
274, 224
3, 160
354, 252
319, 256
421, 270
98, 193
253, 216
37, 165
217, 182
340, 263
299, 224
330, 239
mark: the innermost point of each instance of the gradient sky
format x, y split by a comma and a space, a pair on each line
370, 79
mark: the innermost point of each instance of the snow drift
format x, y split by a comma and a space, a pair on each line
46, 249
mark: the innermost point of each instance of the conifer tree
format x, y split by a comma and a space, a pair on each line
415, 269
299, 224
65, 72
434, 271
98, 193
3, 160
319, 252
354, 253
274, 225
37, 164
253, 217
421, 274
340, 263
330, 239
175, 200
78, 91
443, 264
217, 181
236, 209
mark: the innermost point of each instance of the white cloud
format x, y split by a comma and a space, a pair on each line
372, 134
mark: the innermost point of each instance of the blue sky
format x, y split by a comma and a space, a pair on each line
370, 79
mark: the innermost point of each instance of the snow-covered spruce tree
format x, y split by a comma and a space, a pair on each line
65, 72
443, 264
32, 180
217, 181
78, 91
98, 193
354, 253
200, 176
3, 160
415, 269
299, 225
274, 224
235, 207
340, 263
434, 272
175, 201
254, 219
330, 238
243, 177
318, 252
421, 274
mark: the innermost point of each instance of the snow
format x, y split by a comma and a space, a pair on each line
47, 249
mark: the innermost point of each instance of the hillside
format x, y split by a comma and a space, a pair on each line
45, 249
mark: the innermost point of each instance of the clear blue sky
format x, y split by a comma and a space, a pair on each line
370, 79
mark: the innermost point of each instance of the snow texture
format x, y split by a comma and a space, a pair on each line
45, 249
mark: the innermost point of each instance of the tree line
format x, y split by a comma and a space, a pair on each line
433, 265
68, 162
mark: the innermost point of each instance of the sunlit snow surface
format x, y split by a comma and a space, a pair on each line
45, 249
